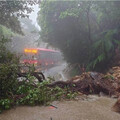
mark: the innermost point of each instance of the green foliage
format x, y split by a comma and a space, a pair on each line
87, 32
5, 31
8, 75
57, 92
75, 71
105, 49
13, 91
5, 55
71, 95
25, 92
8, 79
73, 12
12, 10
5, 104
40, 94
64, 32
8, 69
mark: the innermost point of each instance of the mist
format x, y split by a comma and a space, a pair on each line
53, 50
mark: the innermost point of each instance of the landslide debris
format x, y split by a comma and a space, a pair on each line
92, 83
96, 83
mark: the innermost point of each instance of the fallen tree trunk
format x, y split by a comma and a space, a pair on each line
89, 83
38, 75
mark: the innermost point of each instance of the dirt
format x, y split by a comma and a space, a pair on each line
93, 108
91, 83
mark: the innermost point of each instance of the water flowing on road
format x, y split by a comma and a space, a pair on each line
56, 72
94, 108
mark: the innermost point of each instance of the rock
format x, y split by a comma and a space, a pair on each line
116, 106
101, 94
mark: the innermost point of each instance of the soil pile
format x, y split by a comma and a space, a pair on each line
92, 83
116, 106
95, 83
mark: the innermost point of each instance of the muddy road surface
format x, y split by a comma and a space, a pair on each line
97, 108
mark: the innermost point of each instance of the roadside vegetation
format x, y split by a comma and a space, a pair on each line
87, 32
26, 92
14, 92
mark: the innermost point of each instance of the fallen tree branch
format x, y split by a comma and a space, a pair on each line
38, 75
89, 83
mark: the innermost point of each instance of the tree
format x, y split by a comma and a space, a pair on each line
83, 30
10, 11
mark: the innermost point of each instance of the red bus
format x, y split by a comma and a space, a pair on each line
41, 57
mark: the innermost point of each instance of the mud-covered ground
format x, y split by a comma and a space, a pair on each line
93, 108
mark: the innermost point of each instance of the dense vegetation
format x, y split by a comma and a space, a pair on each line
10, 11
13, 91
87, 32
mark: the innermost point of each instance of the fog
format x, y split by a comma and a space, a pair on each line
33, 16
84, 31
30, 37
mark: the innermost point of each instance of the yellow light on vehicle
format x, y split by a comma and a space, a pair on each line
34, 51
30, 51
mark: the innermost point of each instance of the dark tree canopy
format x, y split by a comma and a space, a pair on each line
87, 32
11, 10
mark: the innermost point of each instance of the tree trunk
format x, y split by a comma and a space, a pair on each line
89, 28
88, 21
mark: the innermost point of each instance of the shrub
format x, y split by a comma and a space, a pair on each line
25, 92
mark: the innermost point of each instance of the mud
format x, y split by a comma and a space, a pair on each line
94, 108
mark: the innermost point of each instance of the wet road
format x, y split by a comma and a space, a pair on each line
56, 72
94, 109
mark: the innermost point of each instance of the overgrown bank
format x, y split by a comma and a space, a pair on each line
14, 92
87, 32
